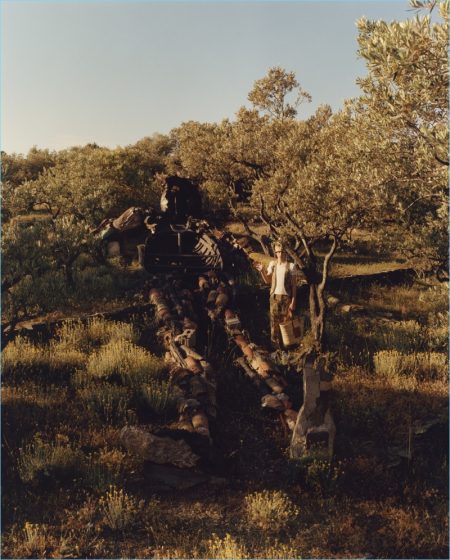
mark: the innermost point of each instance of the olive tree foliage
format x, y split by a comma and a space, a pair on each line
404, 107
314, 199
50, 214
227, 158
270, 94
17, 169
92, 183
23, 252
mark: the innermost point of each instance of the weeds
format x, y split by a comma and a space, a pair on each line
270, 510
227, 547
22, 359
109, 402
87, 336
160, 396
133, 364
420, 365
57, 459
120, 510
35, 539
323, 477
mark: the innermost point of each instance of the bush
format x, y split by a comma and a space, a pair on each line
109, 402
49, 459
104, 469
227, 547
160, 396
323, 477
22, 358
34, 540
270, 510
119, 509
403, 336
33, 296
94, 333
133, 364
420, 365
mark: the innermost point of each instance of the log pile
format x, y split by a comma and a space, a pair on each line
190, 372
313, 426
258, 365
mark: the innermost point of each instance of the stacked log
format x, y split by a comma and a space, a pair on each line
313, 426
257, 364
189, 370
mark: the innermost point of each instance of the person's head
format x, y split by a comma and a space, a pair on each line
279, 251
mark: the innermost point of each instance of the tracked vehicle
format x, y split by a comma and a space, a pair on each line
174, 240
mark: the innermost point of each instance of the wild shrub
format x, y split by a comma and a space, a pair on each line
104, 469
160, 396
438, 331
277, 550
421, 365
50, 459
270, 510
323, 477
119, 510
34, 540
32, 393
227, 547
22, 358
33, 296
403, 336
95, 332
133, 364
109, 402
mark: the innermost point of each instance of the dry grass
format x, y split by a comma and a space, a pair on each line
22, 358
120, 511
418, 365
132, 363
109, 402
86, 336
96, 501
49, 459
270, 510
226, 547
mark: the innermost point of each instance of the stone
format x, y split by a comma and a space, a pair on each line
160, 450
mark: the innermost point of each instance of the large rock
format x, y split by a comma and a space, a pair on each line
160, 450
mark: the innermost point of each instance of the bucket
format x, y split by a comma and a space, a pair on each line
292, 331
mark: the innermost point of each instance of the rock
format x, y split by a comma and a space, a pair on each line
160, 450
179, 479
350, 308
332, 301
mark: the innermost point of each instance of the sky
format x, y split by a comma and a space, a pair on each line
113, 72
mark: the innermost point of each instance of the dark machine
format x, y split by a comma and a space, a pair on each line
176, 240
179, 239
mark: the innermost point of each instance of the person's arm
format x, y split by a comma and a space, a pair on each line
265, 273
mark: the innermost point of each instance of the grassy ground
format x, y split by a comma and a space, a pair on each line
70, 490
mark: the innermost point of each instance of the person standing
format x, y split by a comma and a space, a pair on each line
281, 275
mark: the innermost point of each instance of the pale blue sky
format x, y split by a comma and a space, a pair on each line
114, 72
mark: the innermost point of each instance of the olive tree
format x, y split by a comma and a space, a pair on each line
404, 104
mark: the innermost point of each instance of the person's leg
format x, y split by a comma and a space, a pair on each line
278, 309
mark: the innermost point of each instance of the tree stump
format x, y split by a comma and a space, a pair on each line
314, 432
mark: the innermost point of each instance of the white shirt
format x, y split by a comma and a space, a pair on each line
280, 271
